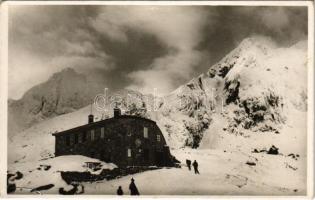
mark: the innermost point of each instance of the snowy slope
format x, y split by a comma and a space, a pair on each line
246, 101
46, 172
221, 173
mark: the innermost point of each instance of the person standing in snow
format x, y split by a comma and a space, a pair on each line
11, 187
188, 163
195, 165
133, 188
120, 191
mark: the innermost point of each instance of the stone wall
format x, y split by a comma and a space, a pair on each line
119, 135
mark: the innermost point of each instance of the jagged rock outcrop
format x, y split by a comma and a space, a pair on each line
249, 88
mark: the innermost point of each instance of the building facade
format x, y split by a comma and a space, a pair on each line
123, 140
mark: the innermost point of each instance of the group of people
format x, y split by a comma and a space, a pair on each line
132, 187
134, 190
194, 164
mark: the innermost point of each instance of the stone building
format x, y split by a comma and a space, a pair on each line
124, 140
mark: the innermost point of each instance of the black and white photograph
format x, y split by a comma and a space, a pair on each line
159, 99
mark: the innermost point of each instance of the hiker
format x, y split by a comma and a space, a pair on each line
188, 163
120, 191
195, 164
133, 188
11, 187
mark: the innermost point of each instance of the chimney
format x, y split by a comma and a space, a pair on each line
91, 118
117, 112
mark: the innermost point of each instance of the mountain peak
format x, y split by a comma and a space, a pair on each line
64, 92
257, 41
248, 49
67, 72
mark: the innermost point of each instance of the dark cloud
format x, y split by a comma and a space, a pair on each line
137, 46
288, 26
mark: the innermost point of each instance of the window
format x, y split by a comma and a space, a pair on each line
71, 139
92, 134
102, 132
129, 153
67, 137
145, 132
158, 138
76, 138
97, 133
79, 137
84, 137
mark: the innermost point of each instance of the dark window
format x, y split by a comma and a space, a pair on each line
80, 137
76, 138
97, 133
102, 132
84, 136
67, 137
92, 134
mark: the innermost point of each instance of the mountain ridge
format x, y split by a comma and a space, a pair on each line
229, 91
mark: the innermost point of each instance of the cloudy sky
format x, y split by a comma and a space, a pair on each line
137, 47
